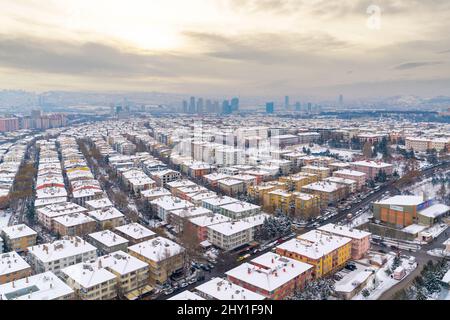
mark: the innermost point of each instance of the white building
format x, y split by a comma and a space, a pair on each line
60, 254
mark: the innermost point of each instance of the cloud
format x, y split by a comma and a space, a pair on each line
413, 65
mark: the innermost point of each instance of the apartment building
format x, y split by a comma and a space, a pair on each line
372, 168
107, 218
74, 224
107, 241
19, 237
178, 218
46, 214
98, 204
164, 257
90, 282
164, 205
360, 238
358, 176
199, 226
60, 254
135, 233
239, 210
325, 251
329, 192
231, 187
44, 286
223, 289
306, 205
274, 276
215, 204
13, 267
321, 172
278, 200
131, 273
165, 176
230, 235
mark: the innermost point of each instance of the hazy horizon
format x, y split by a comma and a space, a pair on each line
259, 48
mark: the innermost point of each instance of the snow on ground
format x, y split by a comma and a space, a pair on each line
437, 229
438, 253
384, 282
361, 219
4, 219
443, 295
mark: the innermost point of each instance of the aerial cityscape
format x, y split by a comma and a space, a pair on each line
224, 151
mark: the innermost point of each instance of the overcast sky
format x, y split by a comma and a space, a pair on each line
238, 47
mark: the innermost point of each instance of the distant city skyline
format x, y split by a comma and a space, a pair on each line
228, 47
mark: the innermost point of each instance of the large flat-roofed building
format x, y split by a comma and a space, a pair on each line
400, 211
403, 211
271, 275
135, 233
74, 224
360, 238
44, 286
60, 254
223, 289
107, 241
13, 267
327, 252
164, 257
19, 237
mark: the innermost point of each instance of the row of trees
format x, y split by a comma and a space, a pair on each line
274, 228
320, 289
428, 283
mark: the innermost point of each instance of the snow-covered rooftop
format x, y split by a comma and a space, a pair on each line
12, 262
135, 231
403, 200
108, 238
222, 289
186, 295
314, 244
269, 271
435, 210
44, 286
60, 249
157, 249
18, 231
105, 214
344, 231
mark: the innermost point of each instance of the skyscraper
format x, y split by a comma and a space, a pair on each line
286, 102
235, 104
298, 106
185, 106
309, 107
226, 107
269, 107
192, 105
341, 99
